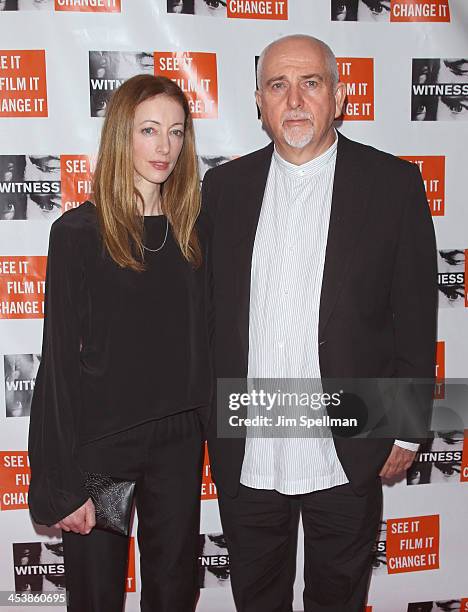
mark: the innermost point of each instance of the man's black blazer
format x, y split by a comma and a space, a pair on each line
378, 306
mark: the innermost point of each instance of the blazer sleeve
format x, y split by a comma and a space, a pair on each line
414, 296
56, 487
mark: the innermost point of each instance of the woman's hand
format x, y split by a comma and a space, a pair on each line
80, 521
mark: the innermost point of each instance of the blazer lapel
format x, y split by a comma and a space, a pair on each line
251, 191
349, 203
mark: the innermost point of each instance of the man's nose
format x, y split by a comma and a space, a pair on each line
295, 99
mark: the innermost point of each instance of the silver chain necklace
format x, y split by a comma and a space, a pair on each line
164, 241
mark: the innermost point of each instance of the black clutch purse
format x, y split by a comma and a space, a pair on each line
113, 499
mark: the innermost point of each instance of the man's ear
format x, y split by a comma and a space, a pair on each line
340, 97
258, 99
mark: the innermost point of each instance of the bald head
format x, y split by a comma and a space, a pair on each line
298, 41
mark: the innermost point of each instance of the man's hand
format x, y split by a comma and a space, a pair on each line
399, 460
80, 521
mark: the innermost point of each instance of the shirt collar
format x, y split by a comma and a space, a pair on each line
311, 167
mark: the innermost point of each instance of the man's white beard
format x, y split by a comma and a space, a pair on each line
297, 137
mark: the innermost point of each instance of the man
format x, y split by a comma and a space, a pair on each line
322, 264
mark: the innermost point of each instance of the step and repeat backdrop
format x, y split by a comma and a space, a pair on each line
405, 64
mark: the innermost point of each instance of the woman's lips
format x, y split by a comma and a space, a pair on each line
160, 165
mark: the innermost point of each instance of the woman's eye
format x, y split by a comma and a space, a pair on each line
147, 130
178, 133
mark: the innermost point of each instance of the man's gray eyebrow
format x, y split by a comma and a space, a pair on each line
314, 75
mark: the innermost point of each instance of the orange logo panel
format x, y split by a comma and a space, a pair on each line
22, 286
358, 75
439, 392
196, 74
23, 84
14, 480
208, 490
257, 9
130, 586
76, 175
420, 10
464, 604
432, 168
413, 544
464, 465
83, 6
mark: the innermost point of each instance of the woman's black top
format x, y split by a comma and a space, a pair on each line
119, 348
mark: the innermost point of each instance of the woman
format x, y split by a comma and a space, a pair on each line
124, 372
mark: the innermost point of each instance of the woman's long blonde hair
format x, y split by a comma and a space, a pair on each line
115, 194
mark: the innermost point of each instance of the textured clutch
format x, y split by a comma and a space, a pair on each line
112, 498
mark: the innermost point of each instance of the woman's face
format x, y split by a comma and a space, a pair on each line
158, 136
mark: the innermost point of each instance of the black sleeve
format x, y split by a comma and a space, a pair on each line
56, 487
414, 305
206, 227
207, 217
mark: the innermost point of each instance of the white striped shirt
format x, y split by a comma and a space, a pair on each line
286, 279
